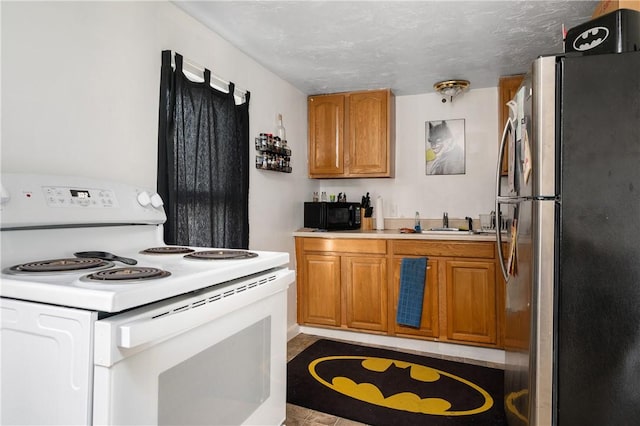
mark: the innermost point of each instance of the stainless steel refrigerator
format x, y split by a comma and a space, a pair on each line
572, 269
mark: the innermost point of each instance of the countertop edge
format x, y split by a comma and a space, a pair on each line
393, 234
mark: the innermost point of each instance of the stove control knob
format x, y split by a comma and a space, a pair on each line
156, 200
144, 199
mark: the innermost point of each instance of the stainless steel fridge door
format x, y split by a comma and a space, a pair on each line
529, 286
517, 330
515, 248
541, 367
545, 111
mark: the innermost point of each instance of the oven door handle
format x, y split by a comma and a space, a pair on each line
198, 310
157, 329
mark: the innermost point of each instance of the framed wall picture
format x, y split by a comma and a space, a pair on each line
445, 147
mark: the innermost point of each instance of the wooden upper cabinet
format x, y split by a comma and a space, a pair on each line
368, 133
507, 88
326, 135
351, 135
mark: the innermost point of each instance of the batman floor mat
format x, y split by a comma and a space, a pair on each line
382, 387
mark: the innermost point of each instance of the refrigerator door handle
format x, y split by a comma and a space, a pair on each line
508, 127
503, 266
513, 200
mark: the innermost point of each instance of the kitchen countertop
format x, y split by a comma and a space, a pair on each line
396, 234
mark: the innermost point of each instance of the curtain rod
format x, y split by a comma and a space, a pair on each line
197, 70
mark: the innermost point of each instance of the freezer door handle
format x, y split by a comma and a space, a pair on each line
508, 128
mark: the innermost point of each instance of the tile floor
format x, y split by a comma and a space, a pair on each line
301, 416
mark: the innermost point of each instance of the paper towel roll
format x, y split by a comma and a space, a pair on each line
379, 214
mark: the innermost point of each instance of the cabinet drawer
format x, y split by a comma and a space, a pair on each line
369, 246
444, 248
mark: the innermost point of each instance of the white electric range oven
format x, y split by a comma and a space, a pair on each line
102, 323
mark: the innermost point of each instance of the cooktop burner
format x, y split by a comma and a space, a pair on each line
221, 254
167, 250
60, 265
128, 273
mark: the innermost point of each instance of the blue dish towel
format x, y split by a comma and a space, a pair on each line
412, 282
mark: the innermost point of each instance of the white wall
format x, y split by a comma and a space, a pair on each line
412, 190
80, 90
80, 93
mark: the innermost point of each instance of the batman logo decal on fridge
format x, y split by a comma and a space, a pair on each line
401, 385
591, 38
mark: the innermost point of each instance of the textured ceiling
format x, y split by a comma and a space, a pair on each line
333, 46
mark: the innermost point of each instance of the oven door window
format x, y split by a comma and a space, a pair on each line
229, 381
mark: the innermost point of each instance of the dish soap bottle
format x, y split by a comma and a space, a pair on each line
417, 226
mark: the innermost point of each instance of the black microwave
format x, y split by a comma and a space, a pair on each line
332, 216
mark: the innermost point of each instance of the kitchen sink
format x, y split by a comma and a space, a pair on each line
454, 230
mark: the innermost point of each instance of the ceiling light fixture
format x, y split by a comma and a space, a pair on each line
451, 88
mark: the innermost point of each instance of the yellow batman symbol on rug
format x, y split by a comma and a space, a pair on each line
517, 399
365, 390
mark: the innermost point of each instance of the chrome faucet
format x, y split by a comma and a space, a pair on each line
445, 220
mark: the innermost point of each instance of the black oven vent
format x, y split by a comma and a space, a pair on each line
222, 294
199, 303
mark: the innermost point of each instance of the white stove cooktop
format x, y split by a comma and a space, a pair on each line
74, 290
53, 217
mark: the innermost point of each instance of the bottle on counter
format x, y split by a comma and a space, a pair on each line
417, 226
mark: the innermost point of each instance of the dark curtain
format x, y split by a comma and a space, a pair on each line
203, 161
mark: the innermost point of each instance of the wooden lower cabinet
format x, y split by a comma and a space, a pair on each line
471, 301
319, 299
429, 322
342, 283
365, 286
355, 285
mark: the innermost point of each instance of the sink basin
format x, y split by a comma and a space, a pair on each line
455, 230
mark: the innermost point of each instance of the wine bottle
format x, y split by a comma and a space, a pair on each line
280, 130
